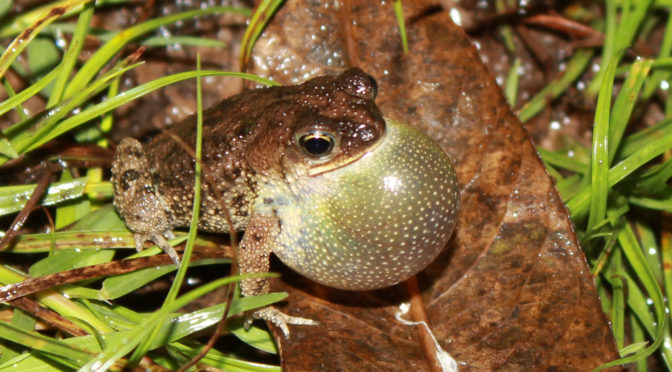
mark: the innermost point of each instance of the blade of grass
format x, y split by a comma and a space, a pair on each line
11, 93
218, 360
57, 302
600, 151
73, 211
70, 57
29, 91
117, 286
620, 38
511, 87
115, 351
23, 39
638, 338
664, 205
26, 19
505, 30
142, 349
578, 205
618, 299
260, 17
569, 187
625, 102
160, 41
13, 198
21, 320
89, 70
562, 161
630, 23
25, 141
653, 181
399, 13
575, 67
650, 248
642, 138
127, 96
45, 344
657, 76
637, 261
58, 28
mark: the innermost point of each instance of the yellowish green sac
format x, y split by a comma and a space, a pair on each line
376, 221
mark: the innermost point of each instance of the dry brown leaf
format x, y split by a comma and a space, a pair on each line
512, 291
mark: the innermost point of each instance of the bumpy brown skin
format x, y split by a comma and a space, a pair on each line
249, 143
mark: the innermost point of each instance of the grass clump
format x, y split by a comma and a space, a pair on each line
101, 335
617, 189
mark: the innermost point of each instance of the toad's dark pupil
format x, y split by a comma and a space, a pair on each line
317, 144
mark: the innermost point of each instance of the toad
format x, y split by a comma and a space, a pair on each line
312, 173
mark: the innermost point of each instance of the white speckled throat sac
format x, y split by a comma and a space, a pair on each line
376, 221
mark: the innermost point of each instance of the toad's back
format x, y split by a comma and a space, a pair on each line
244, 144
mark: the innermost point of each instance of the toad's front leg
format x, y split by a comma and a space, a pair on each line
253, 257
138, 200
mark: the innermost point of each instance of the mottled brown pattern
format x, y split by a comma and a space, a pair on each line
512, 291
245, 141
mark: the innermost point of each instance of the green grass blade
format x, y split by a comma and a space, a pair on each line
28, 140
44, 344
218, 360
618, 299
29, 91
115, 351
630, 23
58, 28
638, 338
11, 93
6, 147
664, 205
258, 20
70, 57
13, 198
161, 41
23, 39
650, 248
569, 187
562, 161
600, 151
625, 102
575, 67
659, 75
511, 87
254, 336
112, 47
68, 260
127, 96
26, 19
608, 48
578, 205
120, 285
399, 13
142, 349
637, 261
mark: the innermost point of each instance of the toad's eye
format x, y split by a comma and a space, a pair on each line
316, 144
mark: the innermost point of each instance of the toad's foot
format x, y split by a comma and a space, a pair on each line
161, 240
279, 319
